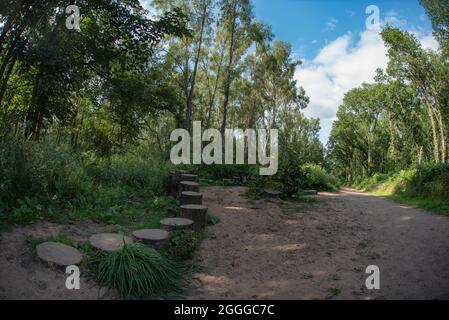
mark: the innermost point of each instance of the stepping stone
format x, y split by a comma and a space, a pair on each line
188, 186
170, 224
196, 213
109, 241
58, 254
272, 193
155, 238
190, 197
189, 177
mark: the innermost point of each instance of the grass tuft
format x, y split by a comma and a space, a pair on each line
137, 272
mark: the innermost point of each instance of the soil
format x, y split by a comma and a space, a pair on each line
320, 250
273, 249
24, 276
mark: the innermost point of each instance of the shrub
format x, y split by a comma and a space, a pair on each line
183, 243
318, 179
137, 272
290, 175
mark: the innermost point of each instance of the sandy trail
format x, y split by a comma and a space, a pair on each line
283, 250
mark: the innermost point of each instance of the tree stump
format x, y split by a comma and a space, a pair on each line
188, 186
155, 238
189, 177
58, 254
171, 224
196, 213
272, 193
190, 197
109, 241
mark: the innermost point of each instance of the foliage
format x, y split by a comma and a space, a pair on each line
212, 219
316, 178
183, 243
44, 180
137, 272
425, 186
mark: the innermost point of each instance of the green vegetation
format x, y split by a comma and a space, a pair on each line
333, 292
212, 219
316, 178
392, 137
40, 180
424, 187
137, 272
184, 243
60, 237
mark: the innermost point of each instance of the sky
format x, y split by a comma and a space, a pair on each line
338, 51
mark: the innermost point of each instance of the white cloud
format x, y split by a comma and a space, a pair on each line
341, 65
331, 24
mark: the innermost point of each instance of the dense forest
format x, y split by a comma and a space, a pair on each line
86, 112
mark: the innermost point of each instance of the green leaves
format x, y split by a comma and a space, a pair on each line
137, 272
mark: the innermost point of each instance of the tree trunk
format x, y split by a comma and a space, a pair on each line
5, 81
188, 119
228, 83
443, 134
436, 149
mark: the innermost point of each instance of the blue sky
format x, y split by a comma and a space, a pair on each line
337, 50
311, 24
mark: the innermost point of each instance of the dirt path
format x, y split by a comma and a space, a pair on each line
283, 250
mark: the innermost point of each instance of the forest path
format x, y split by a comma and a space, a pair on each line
284, 250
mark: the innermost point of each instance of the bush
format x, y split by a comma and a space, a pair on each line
41, 180
317, 178
137, 272
429, 181
183, 243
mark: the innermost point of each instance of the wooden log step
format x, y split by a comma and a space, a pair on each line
188, 186
170, 224
309, 192
58, 254
155, 238
109, 241
196, 213
190, 197
272, 193
189, 177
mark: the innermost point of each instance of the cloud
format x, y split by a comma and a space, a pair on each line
341, 65
350, 13
331, 24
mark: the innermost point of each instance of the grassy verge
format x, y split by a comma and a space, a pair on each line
424, 187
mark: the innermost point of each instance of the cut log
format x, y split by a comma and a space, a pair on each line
188, 186
109, 241
190, 197
196, 213
58, 254
155, 238
171, 224
309, 192
272, 193
189, 177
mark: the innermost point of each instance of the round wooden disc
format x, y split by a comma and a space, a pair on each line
109, 241
150, 234
176, 223
58, 253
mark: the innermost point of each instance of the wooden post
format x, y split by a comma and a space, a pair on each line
196, 213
